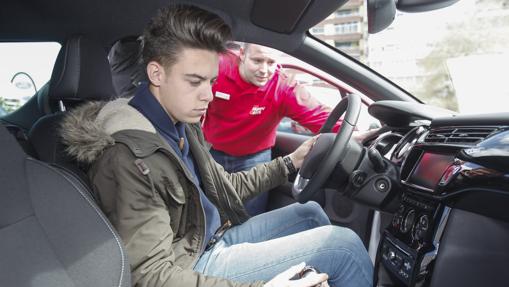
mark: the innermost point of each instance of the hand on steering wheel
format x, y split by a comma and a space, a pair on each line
329, 150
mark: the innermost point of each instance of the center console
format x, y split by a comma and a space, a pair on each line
453, 188
410, 244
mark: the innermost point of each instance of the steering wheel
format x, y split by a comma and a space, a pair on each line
328, 151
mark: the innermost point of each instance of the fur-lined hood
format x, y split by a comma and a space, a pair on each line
87, 130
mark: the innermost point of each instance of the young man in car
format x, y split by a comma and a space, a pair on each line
179, 214
251, 97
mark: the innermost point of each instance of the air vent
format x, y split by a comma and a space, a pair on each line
459, 136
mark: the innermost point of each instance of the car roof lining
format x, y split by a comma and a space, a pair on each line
106, 22
56, 20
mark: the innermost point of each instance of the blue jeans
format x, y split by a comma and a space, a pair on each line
258, 204
270, 243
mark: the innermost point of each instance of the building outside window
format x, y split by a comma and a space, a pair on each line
346, 13
347, 28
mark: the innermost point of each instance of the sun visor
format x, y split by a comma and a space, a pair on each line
290, 16
267, 14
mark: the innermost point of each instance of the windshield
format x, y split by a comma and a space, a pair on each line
456, 57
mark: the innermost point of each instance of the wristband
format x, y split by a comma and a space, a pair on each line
305, 272
289, 165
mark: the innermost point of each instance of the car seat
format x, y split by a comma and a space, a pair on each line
81, 73
51, 231
125, 59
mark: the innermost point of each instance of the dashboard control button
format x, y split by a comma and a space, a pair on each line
391, 255
419, 234
358, 178
396, 221
408, 221
421, 227
424, 222
395, 259
407, 266
382, 185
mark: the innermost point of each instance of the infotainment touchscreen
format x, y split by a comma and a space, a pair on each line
430, 169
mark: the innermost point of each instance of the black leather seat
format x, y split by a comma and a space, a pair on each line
51, 232
81, 73
126, 67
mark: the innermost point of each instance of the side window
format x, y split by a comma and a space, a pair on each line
25, 68
314, 93
319, 93
316, 89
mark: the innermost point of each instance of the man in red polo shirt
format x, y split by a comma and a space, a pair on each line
251, 97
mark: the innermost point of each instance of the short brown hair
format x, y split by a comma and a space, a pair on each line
181, 26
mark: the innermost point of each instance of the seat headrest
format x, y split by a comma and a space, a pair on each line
126, 67
81, 72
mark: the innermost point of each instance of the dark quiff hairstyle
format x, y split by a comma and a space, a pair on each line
181, 26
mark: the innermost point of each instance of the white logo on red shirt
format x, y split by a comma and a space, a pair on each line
256, 110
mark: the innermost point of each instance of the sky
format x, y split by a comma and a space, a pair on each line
411, 36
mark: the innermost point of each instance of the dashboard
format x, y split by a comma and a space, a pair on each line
452, 191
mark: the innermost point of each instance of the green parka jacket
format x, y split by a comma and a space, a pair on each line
147, 192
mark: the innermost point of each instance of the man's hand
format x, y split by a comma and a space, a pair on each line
283, 279
300, 153
360, 137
